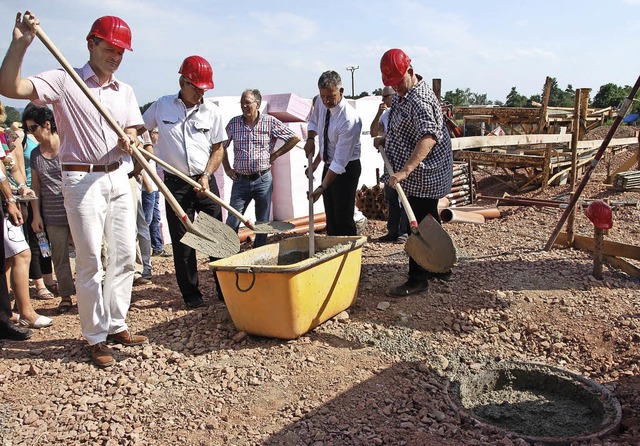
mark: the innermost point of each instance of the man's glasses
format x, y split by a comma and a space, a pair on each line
247, 103
32, 128
198, 90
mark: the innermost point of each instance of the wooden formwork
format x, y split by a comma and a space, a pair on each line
538, 160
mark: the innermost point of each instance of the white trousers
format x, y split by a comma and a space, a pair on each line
100, 204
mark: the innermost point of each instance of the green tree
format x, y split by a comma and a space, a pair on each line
12, 115
458, 98
610, 95
561, 98
146, 106
534, 98
515, 99
377, 92
479, 99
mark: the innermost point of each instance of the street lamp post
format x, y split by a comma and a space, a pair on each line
353, 68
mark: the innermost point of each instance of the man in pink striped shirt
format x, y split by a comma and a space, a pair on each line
96, 190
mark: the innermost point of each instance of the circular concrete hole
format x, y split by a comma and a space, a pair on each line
539, 403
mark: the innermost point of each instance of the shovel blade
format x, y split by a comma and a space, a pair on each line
212, 237
432, 247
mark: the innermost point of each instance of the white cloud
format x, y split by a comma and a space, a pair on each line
283, 26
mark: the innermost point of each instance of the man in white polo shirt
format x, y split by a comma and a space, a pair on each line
191, 133
96, 190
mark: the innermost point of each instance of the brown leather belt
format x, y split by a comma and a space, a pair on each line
253, 176
91, 167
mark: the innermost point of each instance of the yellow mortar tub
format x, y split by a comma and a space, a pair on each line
267, 294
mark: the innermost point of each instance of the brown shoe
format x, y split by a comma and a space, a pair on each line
125, 337
101, 355
142, 281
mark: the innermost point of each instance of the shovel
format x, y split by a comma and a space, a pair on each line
270, 227
212, 237
311, 215
429, 244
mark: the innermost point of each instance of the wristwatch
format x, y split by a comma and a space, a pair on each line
10, 200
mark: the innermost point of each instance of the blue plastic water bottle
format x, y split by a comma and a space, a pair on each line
45, 250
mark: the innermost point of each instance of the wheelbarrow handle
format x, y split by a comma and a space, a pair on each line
405, 201
208, 193
112, 122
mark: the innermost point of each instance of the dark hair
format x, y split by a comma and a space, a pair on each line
39, 115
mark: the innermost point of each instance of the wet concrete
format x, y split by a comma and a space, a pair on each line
536, 401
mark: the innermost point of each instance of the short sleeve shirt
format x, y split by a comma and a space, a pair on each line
85, 136
185, 136
412, 117
252, 146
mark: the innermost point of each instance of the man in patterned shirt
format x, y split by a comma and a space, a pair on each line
254, 136
419, 149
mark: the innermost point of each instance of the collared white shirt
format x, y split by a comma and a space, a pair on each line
384, 121
185, 136
85, 136
345, 127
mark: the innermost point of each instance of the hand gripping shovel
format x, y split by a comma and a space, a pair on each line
429, 244
269, 227
213, 238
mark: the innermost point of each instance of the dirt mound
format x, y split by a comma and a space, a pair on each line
623, 131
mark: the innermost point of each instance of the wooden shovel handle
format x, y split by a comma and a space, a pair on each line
208, 193
112, 122
405, 202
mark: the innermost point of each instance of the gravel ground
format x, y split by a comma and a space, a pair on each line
375, 375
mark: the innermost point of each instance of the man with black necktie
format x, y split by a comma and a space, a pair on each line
339, 139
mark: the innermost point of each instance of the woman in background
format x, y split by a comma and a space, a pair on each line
49, 211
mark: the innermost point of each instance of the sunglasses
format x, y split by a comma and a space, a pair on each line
32, 128
198, 90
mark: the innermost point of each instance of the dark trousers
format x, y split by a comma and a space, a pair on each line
397, 221
184, 257
421, 207
340, 200
5, 300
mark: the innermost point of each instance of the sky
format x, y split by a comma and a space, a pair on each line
284, 46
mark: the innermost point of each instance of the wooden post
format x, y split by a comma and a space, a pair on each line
542, 122
598, 238
547, 166
574, 161
638, 153
436, 85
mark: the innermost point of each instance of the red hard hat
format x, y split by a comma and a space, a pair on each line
198, 71
113, 30
599, 213
394, 65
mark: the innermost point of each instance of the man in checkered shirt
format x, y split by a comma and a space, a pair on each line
419, 149
254, 136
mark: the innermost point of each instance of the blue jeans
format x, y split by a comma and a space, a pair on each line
151, 207
243, 191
